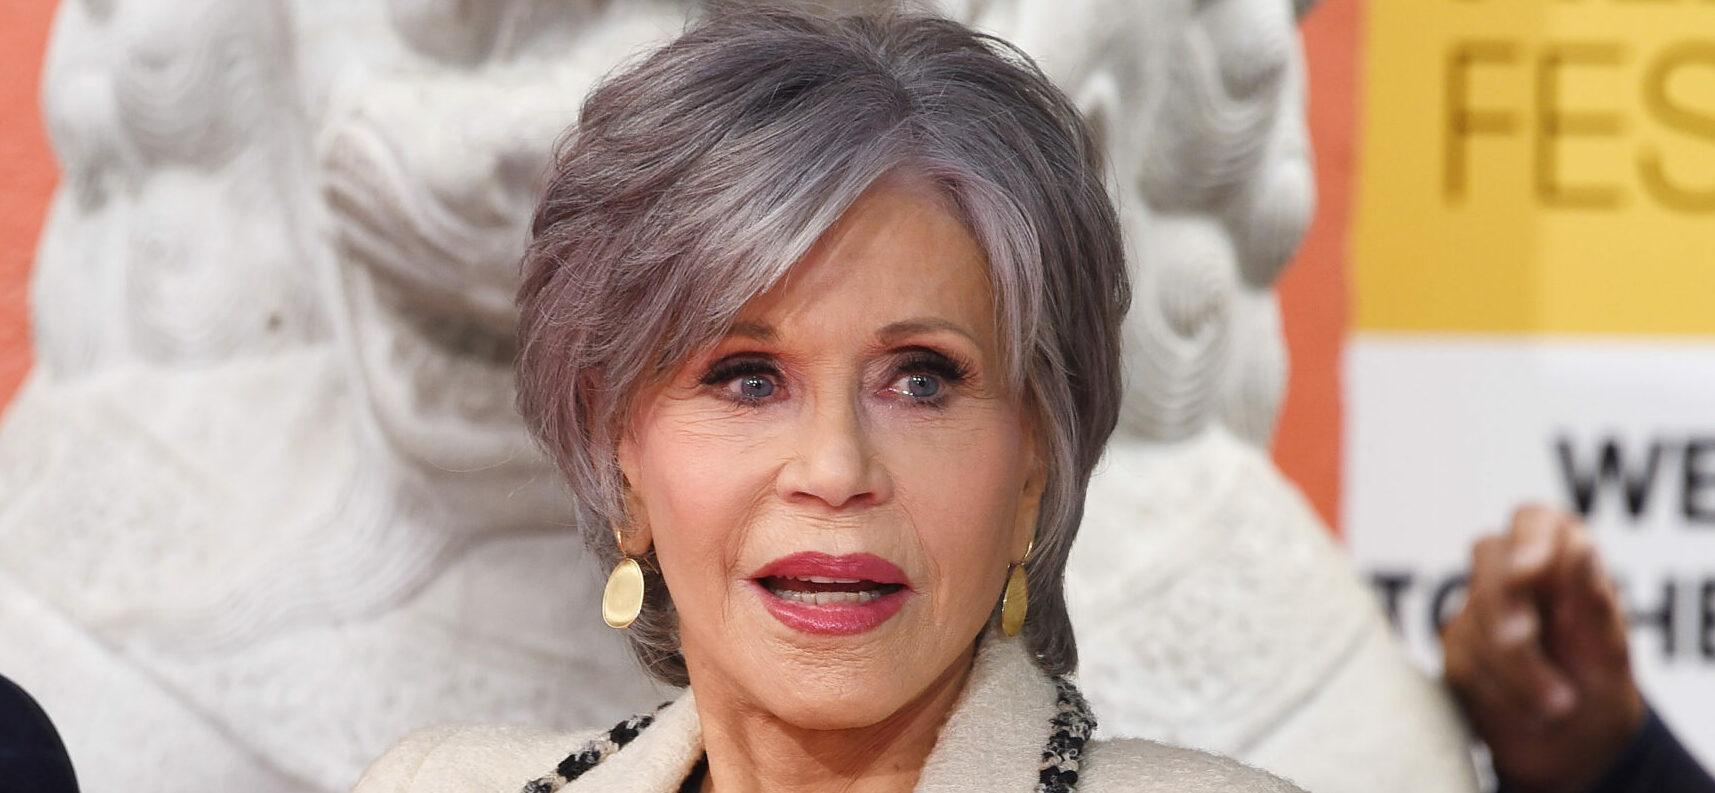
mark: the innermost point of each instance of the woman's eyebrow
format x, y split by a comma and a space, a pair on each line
759, 331
909, 327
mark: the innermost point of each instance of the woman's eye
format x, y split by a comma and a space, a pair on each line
752, 388
924, 375
745, 379
918, 385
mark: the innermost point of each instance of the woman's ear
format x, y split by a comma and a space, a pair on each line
1029, 509
636, 535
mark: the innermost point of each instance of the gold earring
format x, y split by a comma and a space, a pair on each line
622, 599
1015, 601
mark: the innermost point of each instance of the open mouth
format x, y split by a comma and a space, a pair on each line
824, 591
832, 595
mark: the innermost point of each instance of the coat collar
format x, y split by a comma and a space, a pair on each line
993, 739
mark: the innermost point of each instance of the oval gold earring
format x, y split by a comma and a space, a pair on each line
622, 599
1015, 601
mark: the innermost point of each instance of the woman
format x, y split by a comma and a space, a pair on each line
820, 319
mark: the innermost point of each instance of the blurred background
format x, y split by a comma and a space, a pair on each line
1403, 265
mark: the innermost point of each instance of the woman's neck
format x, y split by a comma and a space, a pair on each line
751, 749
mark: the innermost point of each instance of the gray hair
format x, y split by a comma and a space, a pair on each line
695, 178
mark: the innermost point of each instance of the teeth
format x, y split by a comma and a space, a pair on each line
825, 598
816, 579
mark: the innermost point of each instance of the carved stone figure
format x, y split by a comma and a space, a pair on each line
1212, 608
264, 503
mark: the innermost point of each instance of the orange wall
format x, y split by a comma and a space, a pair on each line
27, 176
1313, 290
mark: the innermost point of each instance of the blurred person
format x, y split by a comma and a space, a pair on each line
33, 759
1538, 657
820, 319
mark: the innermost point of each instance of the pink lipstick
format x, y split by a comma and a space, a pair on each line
831, 595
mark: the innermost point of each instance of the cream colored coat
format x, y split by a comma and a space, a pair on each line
992, 741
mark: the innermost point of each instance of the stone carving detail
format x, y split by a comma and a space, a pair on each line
266, 505
1212, 608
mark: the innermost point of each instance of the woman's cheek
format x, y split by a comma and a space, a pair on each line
960, 483
705, 474
703, 454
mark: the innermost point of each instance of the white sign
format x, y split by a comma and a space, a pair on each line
1446, 435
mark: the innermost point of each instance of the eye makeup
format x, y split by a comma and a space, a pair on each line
759, 376
739, 365
924, 360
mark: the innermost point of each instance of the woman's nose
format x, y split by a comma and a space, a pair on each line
833, 460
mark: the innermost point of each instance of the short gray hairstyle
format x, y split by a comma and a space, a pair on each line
696, 176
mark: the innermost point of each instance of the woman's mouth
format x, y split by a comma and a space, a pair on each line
832, 595
820, 591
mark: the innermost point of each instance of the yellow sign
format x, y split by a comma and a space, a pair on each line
1537, 166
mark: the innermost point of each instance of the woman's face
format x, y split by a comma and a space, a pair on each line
835, 489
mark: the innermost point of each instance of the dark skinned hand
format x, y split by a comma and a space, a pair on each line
1537, 655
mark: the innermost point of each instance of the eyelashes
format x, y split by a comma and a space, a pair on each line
753, 378
732, 367
922, 360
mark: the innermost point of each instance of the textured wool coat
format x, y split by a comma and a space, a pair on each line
993, 741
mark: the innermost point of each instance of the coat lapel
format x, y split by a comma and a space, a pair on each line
657, 760
992, 740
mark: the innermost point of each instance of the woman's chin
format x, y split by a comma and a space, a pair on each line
862, 701
843, 688
804, 667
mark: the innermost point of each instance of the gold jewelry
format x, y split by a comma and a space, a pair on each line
1015, 601
622, 599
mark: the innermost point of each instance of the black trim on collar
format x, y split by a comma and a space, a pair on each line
1058, 772
591, 754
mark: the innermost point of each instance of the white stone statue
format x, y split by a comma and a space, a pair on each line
264, 504
1212, 608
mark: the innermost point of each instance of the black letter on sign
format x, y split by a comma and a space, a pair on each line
1439, 604
1584, 485
1661, 617
1699, 481
1706, 622
1390, 586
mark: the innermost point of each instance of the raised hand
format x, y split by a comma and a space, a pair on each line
1538, 656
